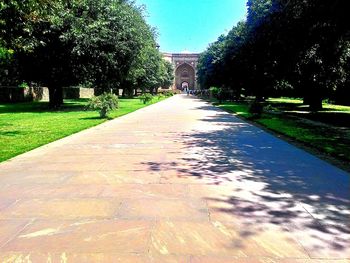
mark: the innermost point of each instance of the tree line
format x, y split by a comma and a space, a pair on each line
283, 48
103, 44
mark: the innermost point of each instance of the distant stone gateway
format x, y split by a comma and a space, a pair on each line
185, 66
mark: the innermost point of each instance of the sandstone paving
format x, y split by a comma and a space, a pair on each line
178, 181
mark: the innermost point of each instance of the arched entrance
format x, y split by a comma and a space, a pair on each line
184, 85
185, 75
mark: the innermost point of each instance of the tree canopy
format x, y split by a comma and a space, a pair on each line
105, 44
284, 47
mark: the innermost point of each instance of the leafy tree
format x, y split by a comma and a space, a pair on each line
149, 71
303, 45
168, 78
63, 43
107, 36
18, 19
210, 64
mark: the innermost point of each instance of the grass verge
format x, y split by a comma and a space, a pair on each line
326, 139
26, 126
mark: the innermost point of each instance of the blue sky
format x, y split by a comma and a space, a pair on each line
192, 24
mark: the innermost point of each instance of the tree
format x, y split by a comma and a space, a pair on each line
210, 64
168, 78
302, 45
107, 37
63, 43
18, 19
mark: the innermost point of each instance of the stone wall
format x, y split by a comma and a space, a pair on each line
86, 93
16, 94
40, 93
77, 93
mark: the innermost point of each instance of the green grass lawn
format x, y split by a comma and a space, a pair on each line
328, 139
25, 126
336, 115
297, 104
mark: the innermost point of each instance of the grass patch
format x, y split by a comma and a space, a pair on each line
240, 109
327, 139
297, 104
25, 126
286, 100
331, 114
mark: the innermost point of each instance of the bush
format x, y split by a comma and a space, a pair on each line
169, 94
256, 108
161, 96
214, 91
103, 103
146, 98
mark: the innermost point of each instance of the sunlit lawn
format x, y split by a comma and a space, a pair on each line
328, 139
25, 126
295, 103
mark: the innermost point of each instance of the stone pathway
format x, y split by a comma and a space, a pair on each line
178, 181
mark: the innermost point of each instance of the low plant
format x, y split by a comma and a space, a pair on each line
168, 94
215, 91
104, 103
161, 96
270, 109
23, 85
256, 109
146, 98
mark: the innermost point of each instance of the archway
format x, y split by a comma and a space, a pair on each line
185, 73
184, 85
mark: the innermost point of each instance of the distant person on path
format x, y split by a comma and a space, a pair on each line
186, 90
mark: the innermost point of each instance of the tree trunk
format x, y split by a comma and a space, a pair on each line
315, 103
313, 98
55, 97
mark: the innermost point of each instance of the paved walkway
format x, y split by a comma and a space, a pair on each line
179, 181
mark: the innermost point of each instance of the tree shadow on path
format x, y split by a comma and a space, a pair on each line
272, 182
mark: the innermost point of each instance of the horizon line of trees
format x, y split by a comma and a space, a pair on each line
283, 48
103, 44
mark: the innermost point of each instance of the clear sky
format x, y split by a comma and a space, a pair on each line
192, 24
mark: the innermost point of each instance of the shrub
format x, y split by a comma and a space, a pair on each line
256, 108
23, 85
146, 98
161, 96
103, 103
169, 94
215, 91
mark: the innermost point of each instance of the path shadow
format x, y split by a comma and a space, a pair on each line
274, 182
42, 107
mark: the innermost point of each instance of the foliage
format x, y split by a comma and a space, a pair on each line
215, 91
63, 43
324, 138
150, 71
285, 48
169, 93
146, 98
23, 85
210, 64
169, 76
256, 109
104, 103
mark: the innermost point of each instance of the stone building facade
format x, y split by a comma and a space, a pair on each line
185, 65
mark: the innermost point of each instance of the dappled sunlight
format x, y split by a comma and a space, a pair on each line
272, 183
